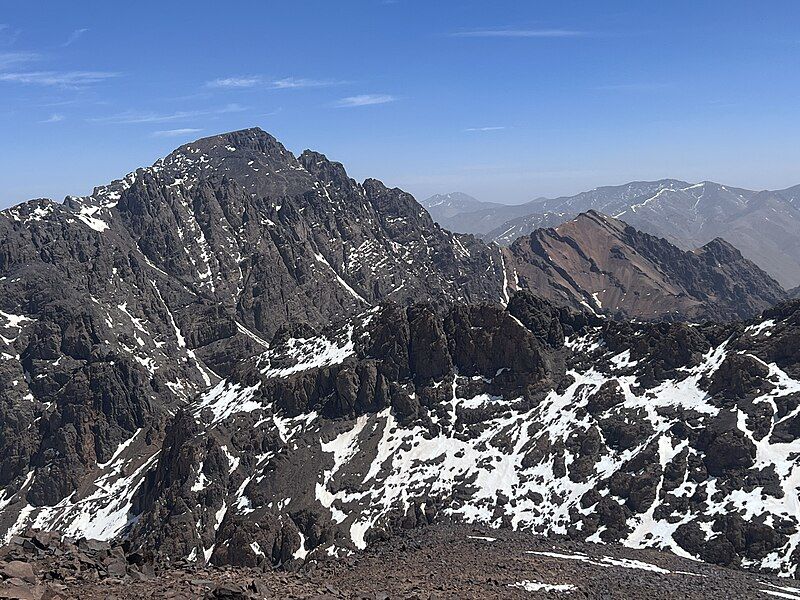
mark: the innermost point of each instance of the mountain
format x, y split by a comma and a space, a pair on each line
491, 221
242, 356
532, 417
605, 265
610, 200
118, 308
764, 225
443, 206
791, 195
460, 212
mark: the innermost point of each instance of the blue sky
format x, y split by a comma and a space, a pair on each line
503, 100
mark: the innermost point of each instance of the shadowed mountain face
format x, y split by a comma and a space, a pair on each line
184, 343
764, 225
603, 264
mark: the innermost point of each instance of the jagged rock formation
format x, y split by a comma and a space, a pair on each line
532, 417
245, 357
607, 266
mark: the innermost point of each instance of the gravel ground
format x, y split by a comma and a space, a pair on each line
437, 562
444, 562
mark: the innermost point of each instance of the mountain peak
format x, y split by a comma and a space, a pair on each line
592, 219
722, 250
442, 207
451, 199
251, 140
324, 169
253, 134
252, 157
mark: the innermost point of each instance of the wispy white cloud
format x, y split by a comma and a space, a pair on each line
67, 79
495, 128
132, 117
11, 59
519, 33
75, 36
285, 83
288, 83
54, 118
243, 81
169, 133
364, 100
56, 103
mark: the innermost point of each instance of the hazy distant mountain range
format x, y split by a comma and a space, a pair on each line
764, 225
462, 213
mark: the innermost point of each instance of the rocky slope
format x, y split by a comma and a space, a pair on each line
532, 417
764, 225
605, 265
245, 357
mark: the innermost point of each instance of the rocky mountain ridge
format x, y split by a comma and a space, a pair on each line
221, 357
605, 265
118, 308
499, 222
764, 225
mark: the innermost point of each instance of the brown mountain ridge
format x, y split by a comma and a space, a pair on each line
604, 264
